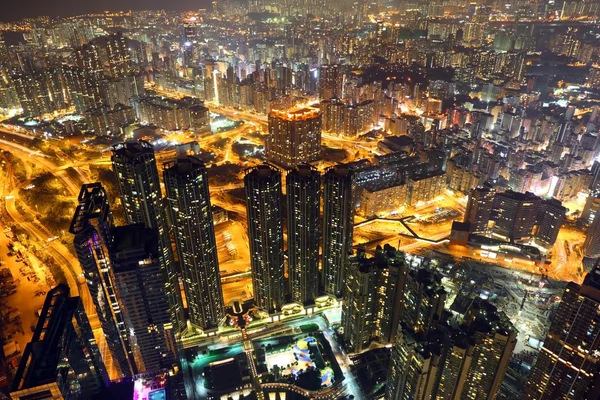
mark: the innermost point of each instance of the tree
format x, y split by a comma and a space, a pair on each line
36, 143
276, 371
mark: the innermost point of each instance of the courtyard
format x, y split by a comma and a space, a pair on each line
302, 361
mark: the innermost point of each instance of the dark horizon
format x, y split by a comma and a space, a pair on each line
15, 11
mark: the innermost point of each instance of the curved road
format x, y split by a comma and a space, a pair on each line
55, 248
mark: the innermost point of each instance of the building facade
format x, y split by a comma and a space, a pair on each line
264, 205
186, 182
591, 246
294, 136
416, 364
62, 360
493, 339
105, 121
136, 173
550, 218
92, 225
118, 55
422, 300
479, 208
142, 296
372, 295
303, 194
338, 228
425, 188
514, 215
347, 119
568, 367
186, 114
330, 81
452, 361
381, 199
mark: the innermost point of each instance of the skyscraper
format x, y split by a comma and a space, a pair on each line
595, 184
423, 300
373, 292
563, 132
550, 218
452, 361
186, 183
142, 296
416, 364
568, 367
330, 81
135, 169
360, 303
591, 246
347, 119
83, 90
136, 173
591, 207
338, 228
87, 58
91, 225
570, 112
304, 222
190, 38
425, 187
265, 233
4, 56
118, 54
493, 339
458, 358
33, 93
8, 95
294, 136
62, 358
479, 208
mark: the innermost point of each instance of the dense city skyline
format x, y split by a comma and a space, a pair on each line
296, 199
67, 8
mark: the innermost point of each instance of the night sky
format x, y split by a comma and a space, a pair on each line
12, 10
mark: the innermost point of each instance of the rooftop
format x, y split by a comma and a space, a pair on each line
460, 226
527, 196
304, 171
132, 150
301, 113
263, 171
130, 244
184, 165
